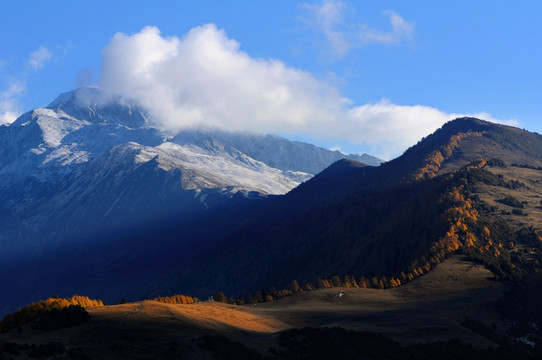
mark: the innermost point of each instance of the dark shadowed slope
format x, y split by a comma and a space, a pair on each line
393, 221
430, 309
92, 190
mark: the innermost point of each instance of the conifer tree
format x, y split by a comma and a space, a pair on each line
294, 287
220, 297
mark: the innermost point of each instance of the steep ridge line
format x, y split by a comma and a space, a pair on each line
433, 162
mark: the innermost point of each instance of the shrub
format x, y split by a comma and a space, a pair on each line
511, 201
177, 299
44, 307
61, 318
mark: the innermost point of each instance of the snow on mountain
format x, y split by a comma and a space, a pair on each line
77, 126
89, 174
51, 141
205, 169
85, 161
272, 150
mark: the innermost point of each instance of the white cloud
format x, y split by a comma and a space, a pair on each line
388, 129
10, 108
402, 30
204, 79
39, 57
486, 116
327, 18
341, 36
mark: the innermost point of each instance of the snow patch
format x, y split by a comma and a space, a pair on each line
145, 155
216, 168
66, 155
38, 151
54, 128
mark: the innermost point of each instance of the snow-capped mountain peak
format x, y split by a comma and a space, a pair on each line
89, 159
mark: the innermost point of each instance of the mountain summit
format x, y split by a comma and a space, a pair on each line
471, 187
82, 153
90, 168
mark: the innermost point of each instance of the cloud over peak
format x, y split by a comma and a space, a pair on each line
204, 79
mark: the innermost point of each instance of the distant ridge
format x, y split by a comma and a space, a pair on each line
393, 221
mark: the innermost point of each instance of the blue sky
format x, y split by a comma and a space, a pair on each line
359, 76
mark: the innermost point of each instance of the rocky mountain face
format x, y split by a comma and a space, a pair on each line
85, 170
82, 160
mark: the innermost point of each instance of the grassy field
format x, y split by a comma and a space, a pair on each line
430, 308
529, 195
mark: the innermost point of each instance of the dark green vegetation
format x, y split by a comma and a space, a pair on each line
333, 343
306, 343
394, 222
61, 318
224, 348
41, 351
427, 311
338, 343
511, 201
458, 191
521, 307
51, 314
50, 319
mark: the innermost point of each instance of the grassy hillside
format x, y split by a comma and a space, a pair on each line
447, 238
416, 320
394, 222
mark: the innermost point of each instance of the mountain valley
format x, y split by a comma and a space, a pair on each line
427, 310
437, 247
